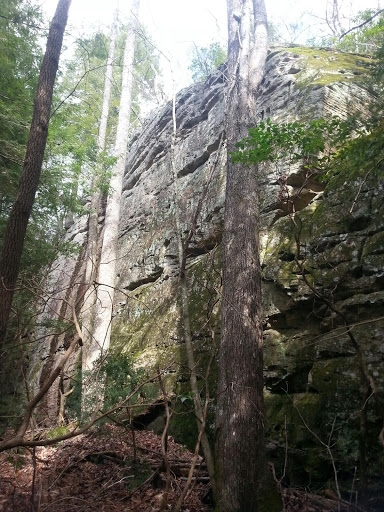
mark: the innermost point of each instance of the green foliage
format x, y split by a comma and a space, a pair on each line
71, 154
147, 69
367, 39
315, 142
16, 457
20, 55
363, 154
326, 147
19, 61
274, 32
21, 28
72, 147
204, 60
73, 401
72, 166
140, 471
323, 147
57, 432
120, 377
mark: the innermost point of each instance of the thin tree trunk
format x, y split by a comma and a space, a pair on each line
185, 318
107, 270
93, 231
201, 432
243, 479
164, 444
13, 243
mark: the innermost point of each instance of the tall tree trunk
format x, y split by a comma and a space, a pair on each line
13, 243
87, 315
107, 270
185, 316
243, 479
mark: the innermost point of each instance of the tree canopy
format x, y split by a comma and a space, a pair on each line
204, 60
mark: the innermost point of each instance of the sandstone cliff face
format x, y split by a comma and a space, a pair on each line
311, 370
310, 365
62, 287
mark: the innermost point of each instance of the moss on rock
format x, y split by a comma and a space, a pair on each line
323, 67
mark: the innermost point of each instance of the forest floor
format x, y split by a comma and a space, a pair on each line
101, 471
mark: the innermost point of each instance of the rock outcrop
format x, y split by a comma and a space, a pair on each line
313, 381
312, 376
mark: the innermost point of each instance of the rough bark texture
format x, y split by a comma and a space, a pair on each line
242, 471
108, 260
18, 220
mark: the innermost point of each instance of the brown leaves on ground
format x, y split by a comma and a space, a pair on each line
98, 472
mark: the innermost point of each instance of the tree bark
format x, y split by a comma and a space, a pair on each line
107, 270
13, 243
243, 479
88, 309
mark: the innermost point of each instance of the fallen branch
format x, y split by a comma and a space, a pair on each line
19, 439
164, 443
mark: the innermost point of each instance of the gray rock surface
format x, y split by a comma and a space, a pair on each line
310, 365
311, 370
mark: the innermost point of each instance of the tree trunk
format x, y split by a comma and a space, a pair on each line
18, 220
185, 316
243, 480
88, 308
107, 270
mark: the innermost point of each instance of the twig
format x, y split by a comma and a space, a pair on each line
279, 480
201, 432
74, 89
60, 420
133, 435
19, 439
327, 446
184, 297
194, 460
164, 442
361, 24
33, 490
353, 485
358, 192
147, 481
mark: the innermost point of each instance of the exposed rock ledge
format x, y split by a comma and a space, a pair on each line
310, 365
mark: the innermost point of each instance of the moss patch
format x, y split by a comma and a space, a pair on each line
323, 67
57, 432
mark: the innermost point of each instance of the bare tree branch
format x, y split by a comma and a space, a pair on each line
361, 24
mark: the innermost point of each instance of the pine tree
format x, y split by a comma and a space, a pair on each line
13, 242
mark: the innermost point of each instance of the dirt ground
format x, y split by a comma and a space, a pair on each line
114, 470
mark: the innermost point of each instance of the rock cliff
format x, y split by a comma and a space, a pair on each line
313, 384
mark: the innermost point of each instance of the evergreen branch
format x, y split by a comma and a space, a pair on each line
76, 86
16, 22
